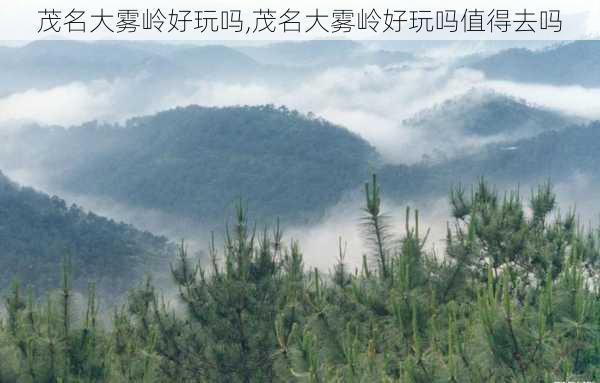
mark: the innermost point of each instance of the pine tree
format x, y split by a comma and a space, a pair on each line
514, 298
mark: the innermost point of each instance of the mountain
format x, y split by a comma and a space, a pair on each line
197, 162
465, 124
552, 155
324, 53
37, 231
487, 113
46, 64
575, 63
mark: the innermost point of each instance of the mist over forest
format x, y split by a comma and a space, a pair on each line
112, 153
150, 133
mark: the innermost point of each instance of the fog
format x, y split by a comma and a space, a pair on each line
574, 100
374, 102
320, 243
196, 236
579, 193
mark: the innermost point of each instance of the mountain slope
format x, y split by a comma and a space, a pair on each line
465, 124
46, 64
37, 231
553, 155
197, 162
576, 63
483, 113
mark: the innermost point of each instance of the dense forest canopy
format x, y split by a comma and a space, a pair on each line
38, 231
512, 295
514, 298
197, 162
555, 155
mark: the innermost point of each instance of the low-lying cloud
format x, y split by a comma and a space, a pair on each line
372, 101
320, 243
573, 100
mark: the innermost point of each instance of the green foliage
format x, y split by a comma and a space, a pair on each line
43, 344
196, 162
376, 228
530, 161
514, 298
38, 230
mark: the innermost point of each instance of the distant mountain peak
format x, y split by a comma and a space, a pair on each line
568, 63
485, 112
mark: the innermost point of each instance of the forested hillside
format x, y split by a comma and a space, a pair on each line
196, 162
466, 124
46, 64
506, 288
514, 298
554, 155
486, 113
572, 63
38, 231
